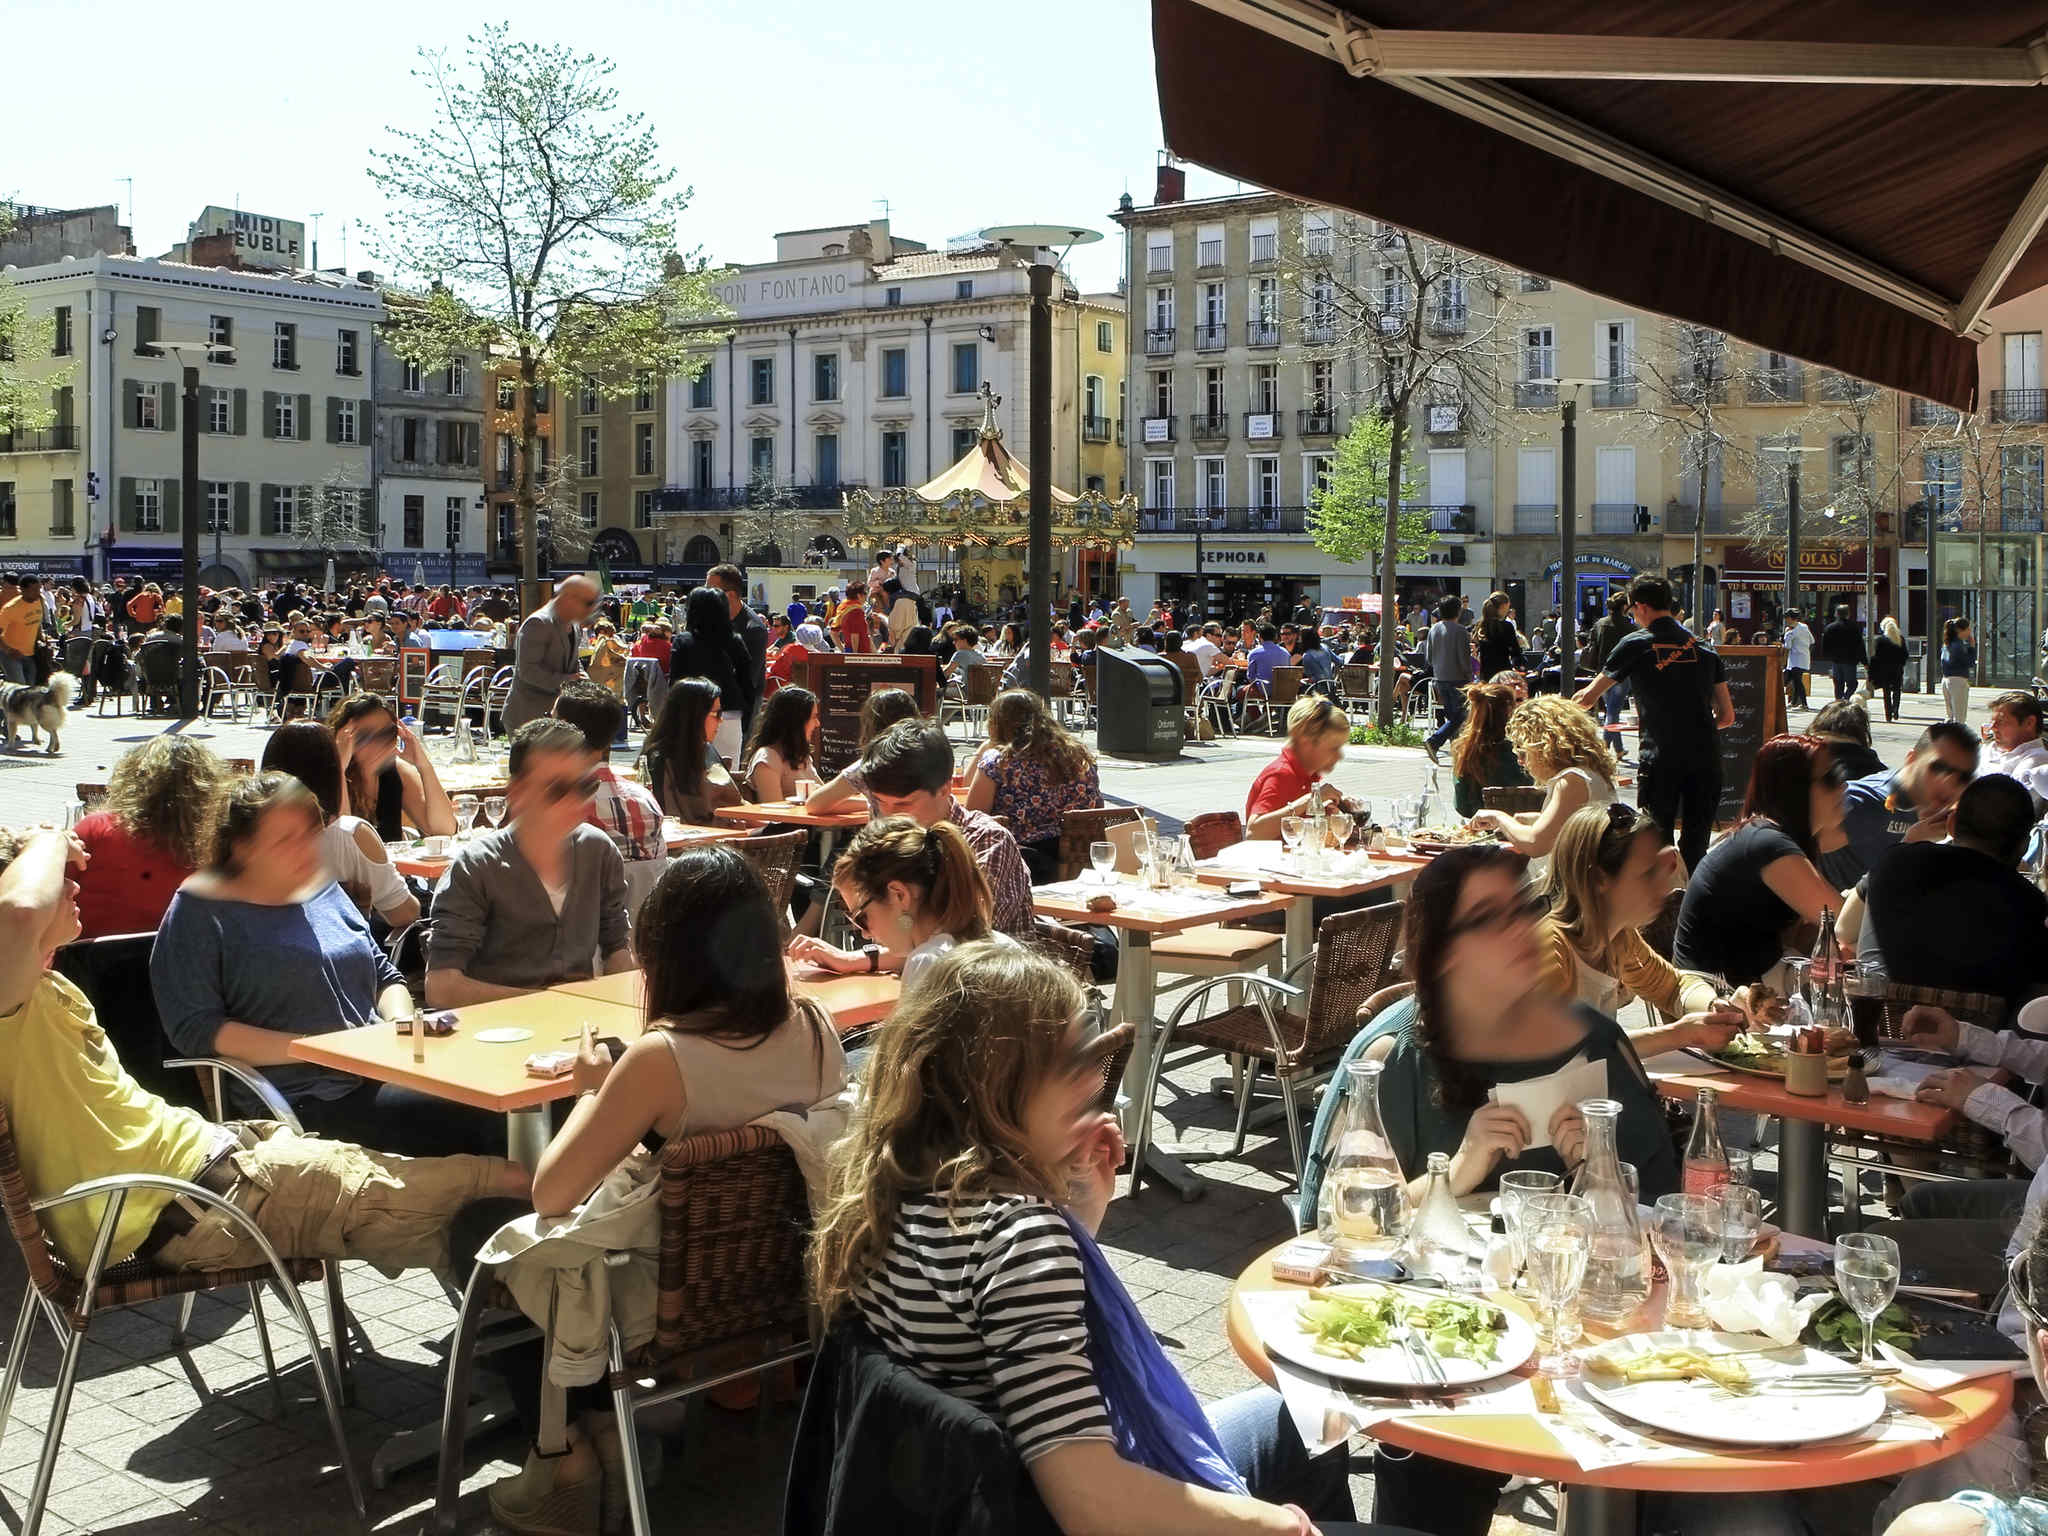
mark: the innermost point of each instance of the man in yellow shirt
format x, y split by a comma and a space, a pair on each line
21, 623
77, 1115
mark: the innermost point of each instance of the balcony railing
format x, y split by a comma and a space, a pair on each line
1845, 386
1613, 393
1535, 517
1262, 335
1316, 423
811, 498
1778, 386
2019, 519
1925, 413
1447, 320
1453, 519
1186, 521
1159, 341
39, 440
1619, 517
1208, 429
1094, 429
1155, 429
1318, 332
1679, 518
1264, 426
1536, 397
1211, 338
2019, 405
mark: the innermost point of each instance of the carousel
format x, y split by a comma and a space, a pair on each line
976, 519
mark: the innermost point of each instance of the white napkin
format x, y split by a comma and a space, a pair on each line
1539, 1098
1940, 1375
1893, 1087
1741, 1298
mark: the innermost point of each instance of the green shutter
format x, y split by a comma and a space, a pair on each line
241, 422
131, 392
167, 407
238, 519
269, 422
267, 509
127, 503
168, 496
60, 507
366, 512
305, 418
334, 418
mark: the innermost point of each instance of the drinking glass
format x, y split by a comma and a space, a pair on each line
1340, 825
1291, 828
1557, 1234
1103, 857
1686, 1232
465, 812
1405, 813
1867, 1275
1740, 1162
494, 810
1742, 1217
1516, 1186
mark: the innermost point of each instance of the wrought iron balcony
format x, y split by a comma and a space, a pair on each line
1925, 413
2019, 405
1318, 332
2019, 519
1316, 423
1614, 393
1442, 418
1778, 386
1535, 517
1094, 429
1845, 386
1536, 397
1208, 429
1619, 517
1447, 320
1187, 521
39, 440
819, 497
1679, 517
1159, 341
1211, 338
1453, 520
1262, 334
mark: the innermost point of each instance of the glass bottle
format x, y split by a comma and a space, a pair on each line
1438, 1243
1830, 999
1184, 876
1362, 1211
1706, 1160
1618, 1267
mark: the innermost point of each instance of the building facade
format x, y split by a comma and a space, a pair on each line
287, 421
615, 449
428, 437
501, 479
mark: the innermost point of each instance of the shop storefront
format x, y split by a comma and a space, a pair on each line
1753, 586
2000, 596
1531, 572
1239, 577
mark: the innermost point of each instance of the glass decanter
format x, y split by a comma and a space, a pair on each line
1363, 1211
1618, 1265
1438, 1241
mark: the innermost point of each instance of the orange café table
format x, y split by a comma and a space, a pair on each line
678, 834
1275, 869
851, 1000
1602, 1502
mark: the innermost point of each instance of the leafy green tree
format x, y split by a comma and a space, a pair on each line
536, 222
26, 381
1347, 514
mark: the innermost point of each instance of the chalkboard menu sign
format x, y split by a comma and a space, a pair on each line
1754, 674
843, 683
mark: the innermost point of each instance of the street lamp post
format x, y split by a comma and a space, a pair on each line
188, 528
1199, 606
1568, 536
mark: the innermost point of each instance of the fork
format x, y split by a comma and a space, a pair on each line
1424, 1358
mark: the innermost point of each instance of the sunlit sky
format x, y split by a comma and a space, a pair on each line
781, 116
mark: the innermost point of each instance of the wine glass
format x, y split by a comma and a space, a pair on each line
1291, 829
1686, 1231
1103, 857
1339, 824
1867, 1275
1516, 1186
494, 810
465, 812
1742, 1217
1557, 1236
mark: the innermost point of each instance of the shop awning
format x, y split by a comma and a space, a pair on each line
1730, 163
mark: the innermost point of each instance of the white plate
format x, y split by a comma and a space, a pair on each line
1273, 1319
1702, 1411
504, 1036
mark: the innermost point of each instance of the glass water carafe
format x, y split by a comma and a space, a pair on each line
1363, 1211
1618, 1266
1439, 1243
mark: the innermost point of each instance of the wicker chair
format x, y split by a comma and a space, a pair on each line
1280, 697
735, 1220
378, 675
776, 855
156, 663
1080, 828
1068, 946
1213, 831
69, 1298
1357, 686
1514, 798
984, 680
1662, 934
1353, 959
92, 797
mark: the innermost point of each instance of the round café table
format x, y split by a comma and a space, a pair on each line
1603, 1503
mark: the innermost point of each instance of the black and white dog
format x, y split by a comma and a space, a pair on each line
40, 709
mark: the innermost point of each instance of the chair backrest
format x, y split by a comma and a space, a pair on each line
775, 856
641, 876
40, 1259
1981, 1008
157, 661
113, 973
1190, 671
984, 682
92, 796
78, 654
1213, 831
1356, 682
1069, 946
1513, 798
378, 674
1286, 686
1662, 934
1059, 679
735, 1220
1354, 959
1080, 828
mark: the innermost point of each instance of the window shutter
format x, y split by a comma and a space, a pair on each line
334, 418
131, 413
60, 506
169, 497
241, 417
305, 419
238, 517
472, 444
167, 407
268, 509
366, 512
269, 422
128, 501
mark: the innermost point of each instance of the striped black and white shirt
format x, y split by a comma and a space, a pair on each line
990, 1306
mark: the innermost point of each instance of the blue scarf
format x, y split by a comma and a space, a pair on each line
1152, 1412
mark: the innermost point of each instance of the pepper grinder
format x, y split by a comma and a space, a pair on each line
1856, 1087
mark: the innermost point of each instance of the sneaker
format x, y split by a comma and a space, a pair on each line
536, 1501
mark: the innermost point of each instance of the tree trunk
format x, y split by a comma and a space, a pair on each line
529, 526
1699, 557
1389, 583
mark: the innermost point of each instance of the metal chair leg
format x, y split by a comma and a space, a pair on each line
629, 1437
184, 1322
263, 1339
455, 1402
1247, 1074
337, 1332
1293, 1113
17, 1354
328, 1397
1146, 1099
53, 1434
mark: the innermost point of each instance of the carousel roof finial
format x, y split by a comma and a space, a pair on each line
989, 401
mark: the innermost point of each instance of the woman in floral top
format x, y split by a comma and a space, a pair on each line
1033, 771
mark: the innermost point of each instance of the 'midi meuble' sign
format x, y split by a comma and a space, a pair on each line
261, 240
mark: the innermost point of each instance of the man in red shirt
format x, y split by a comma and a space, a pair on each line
1316, 733
852, 624
784, 652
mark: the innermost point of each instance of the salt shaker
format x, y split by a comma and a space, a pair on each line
1856, 1087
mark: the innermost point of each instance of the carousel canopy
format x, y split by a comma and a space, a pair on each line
984, 501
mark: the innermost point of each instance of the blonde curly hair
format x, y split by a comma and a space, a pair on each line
1554, 734
168, 792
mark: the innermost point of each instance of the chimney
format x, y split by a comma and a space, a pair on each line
1172, 183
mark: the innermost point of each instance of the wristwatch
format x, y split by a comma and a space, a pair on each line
874, 954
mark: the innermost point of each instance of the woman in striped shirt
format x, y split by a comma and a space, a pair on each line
963, 1199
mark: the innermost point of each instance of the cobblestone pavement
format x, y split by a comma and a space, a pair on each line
160, 1441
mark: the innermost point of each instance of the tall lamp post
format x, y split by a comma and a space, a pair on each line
1040, 240
1199, 607
187, 352
1792, 451
1568, 535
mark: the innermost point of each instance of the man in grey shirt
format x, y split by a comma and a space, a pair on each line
542, 900
544, 657
1447, 648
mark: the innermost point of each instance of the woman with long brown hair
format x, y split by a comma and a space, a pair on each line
913, 892
1482, 757
1033, 770
386, 776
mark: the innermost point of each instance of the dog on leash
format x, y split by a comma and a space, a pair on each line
40, 709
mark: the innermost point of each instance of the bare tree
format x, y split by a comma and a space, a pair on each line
772, 518
337, 516
1862, 484
1406, 323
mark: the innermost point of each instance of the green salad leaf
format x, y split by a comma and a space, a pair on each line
1347, 1321
1836, 1323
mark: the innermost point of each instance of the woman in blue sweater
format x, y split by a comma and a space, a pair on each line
1958, 666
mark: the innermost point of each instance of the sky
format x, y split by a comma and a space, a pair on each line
785, 115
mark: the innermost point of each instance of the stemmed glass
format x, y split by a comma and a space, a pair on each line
494, 810
1686, 1231
1103, 857
1742, 1217
1340, 824
1867, 1275
1557, 1235
1291, 830
465, 812
1516, 1186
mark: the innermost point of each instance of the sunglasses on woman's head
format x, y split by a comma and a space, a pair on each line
2019, 1279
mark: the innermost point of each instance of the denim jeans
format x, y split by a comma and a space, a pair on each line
1254, 1431
1452, 696
1612, 703
1844, 674
17, 669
